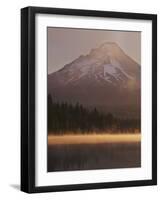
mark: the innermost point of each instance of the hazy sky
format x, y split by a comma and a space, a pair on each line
67, 44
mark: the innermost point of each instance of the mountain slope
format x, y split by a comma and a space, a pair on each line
106, 78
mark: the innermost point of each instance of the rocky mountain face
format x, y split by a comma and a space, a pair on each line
106, 78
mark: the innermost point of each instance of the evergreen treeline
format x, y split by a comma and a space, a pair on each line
64, 118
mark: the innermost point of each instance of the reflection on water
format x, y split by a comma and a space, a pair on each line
87, 152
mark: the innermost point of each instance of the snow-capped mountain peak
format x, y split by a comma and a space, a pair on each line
105, 77
105, 64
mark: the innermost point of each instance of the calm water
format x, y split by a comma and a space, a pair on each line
93, 152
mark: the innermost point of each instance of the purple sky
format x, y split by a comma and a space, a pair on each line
66, 44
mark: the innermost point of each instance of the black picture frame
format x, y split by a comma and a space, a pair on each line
28, 98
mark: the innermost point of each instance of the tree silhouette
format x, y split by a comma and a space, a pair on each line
64, 118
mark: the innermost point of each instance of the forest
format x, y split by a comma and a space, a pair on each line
65, 118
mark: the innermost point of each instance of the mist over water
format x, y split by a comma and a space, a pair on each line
94, 99
87, 152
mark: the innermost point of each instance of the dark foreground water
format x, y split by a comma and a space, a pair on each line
65, 157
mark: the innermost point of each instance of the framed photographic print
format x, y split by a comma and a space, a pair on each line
88, 99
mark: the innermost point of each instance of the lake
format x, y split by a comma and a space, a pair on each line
93, 151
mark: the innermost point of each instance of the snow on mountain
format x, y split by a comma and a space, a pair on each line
106, 76
103, 63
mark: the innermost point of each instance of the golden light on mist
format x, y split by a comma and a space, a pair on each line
94, 138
